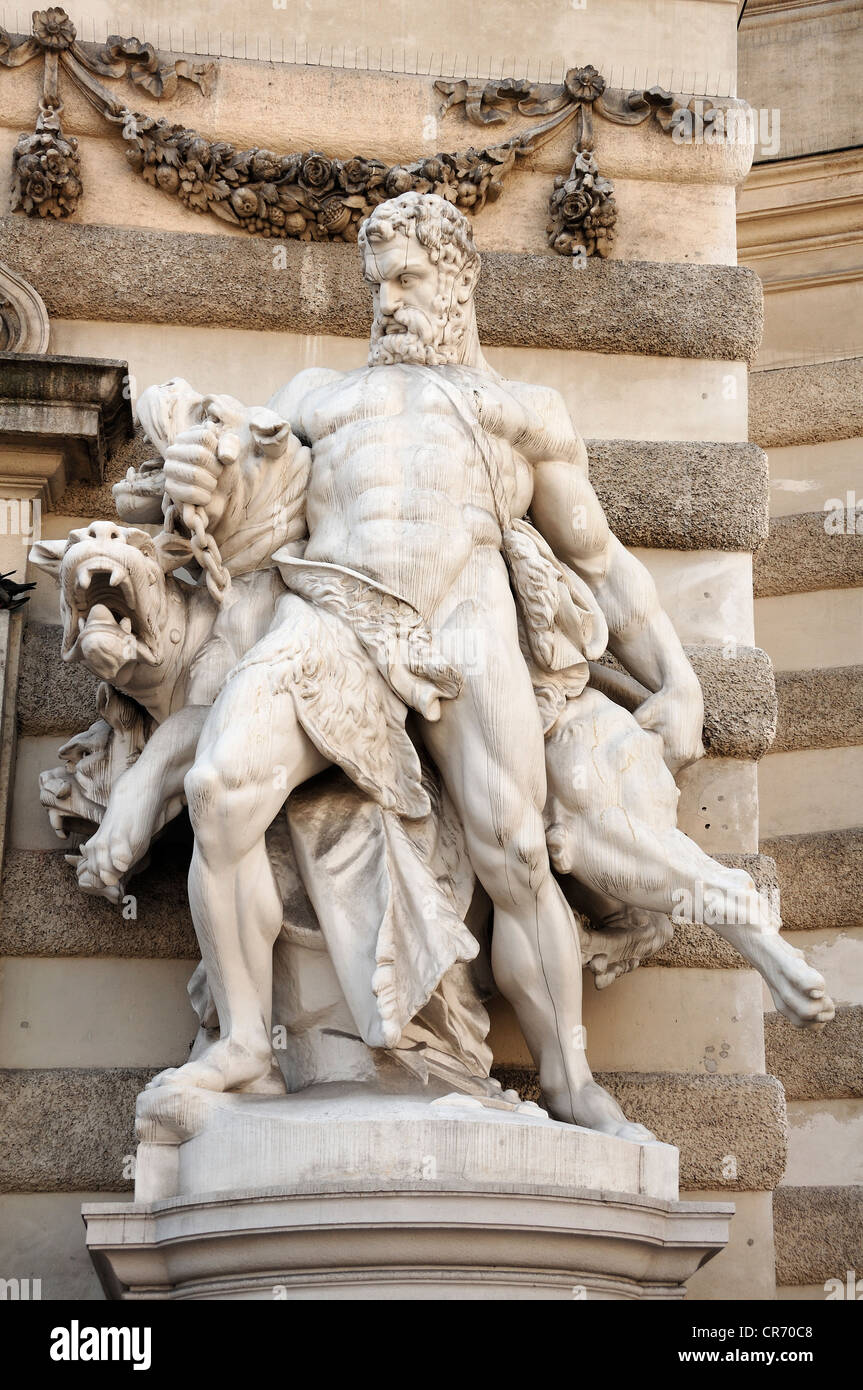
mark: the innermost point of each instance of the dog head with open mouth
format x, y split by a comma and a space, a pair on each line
113, 598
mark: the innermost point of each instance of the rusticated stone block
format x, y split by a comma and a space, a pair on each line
739, 700
54, 696
799, 556
44, 913
806, 405
820, 878
731, 1130
682, 496
818, 1233
739, 695
819, 709
818, 1066
645, 307
68, 1130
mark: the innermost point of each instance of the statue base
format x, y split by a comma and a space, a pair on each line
339, 1193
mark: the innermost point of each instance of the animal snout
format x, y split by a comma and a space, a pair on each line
104, 531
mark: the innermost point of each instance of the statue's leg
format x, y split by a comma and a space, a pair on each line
488, 746
251, 755
615, 830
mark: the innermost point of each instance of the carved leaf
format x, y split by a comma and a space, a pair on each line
13, 55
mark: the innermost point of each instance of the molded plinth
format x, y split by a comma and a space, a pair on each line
336, 1193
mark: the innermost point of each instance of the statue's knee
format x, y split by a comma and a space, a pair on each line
205, 792
514, 867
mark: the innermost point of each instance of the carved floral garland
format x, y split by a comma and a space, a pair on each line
309, 196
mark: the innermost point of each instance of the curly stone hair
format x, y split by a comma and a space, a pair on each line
445, 232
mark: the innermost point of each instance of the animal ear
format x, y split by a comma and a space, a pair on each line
172, 551
48, 557
270, 432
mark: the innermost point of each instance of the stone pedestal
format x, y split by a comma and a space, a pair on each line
341, 1193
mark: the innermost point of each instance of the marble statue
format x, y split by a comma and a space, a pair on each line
424, 709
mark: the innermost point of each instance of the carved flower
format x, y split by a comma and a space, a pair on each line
398, 181
358, 174
584, 84
575, 206
317, 173
53, 28
55, 165
38, 188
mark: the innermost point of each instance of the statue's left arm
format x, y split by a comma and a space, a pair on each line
567, 511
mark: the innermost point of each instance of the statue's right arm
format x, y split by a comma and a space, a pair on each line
194, 468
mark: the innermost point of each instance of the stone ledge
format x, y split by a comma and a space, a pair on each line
709, 1118
806, 405
819, 708
820, 878
739, 697
818, 1233
818, 1066
644, 307
69, 1130
43, 912
682, 495
739, 700
799, 556
696, 946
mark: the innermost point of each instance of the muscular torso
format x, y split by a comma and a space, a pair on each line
399, 489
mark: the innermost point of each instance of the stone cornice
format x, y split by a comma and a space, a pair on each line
811, 205
78, 407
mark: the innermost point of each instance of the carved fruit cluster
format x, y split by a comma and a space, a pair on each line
46, 172
307, 196
582, 210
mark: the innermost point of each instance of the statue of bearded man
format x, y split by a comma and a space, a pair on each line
424, 464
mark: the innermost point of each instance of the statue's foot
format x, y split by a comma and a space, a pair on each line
226, 1066
798, 990
593, 1108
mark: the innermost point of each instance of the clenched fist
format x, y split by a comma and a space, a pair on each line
194, 467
